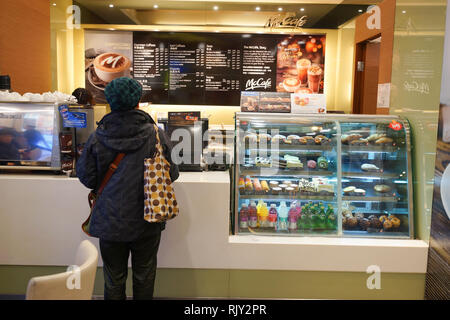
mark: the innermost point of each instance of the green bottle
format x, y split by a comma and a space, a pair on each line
332, 222
330, 211
323, 221
306, 222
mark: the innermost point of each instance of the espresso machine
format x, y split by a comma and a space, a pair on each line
74, 137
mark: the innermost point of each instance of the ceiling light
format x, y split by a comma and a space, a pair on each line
360, 10
302, 9
280, 9
54, 4
216, 8
403, 11
155, 6
217, 31
257, 8
111, 5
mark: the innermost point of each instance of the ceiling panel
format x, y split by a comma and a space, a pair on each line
327, 14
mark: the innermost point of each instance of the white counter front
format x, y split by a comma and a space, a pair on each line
41, 217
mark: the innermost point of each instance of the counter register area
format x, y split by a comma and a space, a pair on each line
199, 256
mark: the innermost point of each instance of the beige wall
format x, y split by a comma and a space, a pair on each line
25, 44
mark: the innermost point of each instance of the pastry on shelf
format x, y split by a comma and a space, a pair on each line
290, 191
359, 215
305, 185
375, 223
347, 138
292, 139
322, 163
325, 188
248, 184
311, 164
263, 162
387, 225
395, 222
257, 185
293, 162
384, 140
321, 139
307, 140
273, 184
349, 190
369, 167
374, 137
383, 218
241, 184
359, 142
382, 188
265, 186
359, 192
352, 222
276, 190
278, 138
364, 223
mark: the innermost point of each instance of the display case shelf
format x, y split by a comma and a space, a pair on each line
370, 199
368, 174
294, 147
283, 172
371, 148
288, 197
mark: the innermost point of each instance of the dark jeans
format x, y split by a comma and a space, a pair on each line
143, 261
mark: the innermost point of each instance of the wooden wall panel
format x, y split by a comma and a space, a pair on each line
362, 33
25, 44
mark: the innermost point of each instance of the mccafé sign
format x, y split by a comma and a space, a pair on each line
285, 20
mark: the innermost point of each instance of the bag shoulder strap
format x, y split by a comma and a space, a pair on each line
112, 168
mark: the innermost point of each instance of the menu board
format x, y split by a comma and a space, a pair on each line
151, 66
214, 68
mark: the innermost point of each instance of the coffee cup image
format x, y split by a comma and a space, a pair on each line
109, 66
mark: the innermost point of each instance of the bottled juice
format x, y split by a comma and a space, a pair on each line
263, 215
273, 215
248, 184
293, 217
243, 216
282, 217
252, 215
241, 185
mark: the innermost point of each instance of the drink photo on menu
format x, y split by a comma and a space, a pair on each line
108, 56
301, 64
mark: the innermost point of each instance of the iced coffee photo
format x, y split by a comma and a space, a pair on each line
302, 69
315, 73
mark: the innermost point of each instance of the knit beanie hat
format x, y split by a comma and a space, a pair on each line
123, 94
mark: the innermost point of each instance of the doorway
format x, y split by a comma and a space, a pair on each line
367, 64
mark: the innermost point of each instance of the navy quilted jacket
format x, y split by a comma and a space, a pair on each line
119, 211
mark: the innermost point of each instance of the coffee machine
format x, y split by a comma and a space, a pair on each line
73, 137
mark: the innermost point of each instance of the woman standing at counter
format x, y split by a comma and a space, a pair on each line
118, 216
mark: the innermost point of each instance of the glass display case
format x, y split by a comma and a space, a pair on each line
322, 175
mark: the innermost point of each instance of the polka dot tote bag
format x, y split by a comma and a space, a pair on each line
159, 197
